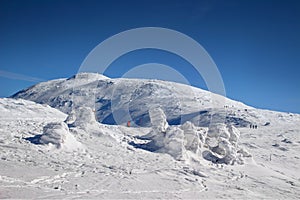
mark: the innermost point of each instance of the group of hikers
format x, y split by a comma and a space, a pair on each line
253, 126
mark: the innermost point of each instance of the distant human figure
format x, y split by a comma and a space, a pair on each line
255, 126
250, 126
128, 124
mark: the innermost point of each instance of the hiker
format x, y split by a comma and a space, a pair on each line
250, 126
128, 124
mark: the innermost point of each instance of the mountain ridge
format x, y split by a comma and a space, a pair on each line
117, 101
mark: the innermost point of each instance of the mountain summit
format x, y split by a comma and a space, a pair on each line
117, 101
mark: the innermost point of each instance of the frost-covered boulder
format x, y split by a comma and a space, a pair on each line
164, 138
222, 141
57, 135
193, 138
218, 132
215, 132
71, 118
234, 135
174, 143
83, 117
159, 126
229, 151
158, 120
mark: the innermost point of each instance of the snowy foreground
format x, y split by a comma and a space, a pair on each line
49, 154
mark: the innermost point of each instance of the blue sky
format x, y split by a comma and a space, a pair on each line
255, 44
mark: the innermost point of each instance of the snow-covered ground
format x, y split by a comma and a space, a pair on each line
48, 154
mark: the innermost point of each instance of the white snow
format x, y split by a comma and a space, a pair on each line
178, 154
20, 109
127, 98
57, 134
218, 143
158, 120
84, 116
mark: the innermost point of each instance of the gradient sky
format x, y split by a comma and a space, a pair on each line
255, 43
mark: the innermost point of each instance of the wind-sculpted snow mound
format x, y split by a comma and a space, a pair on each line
56, 135
67, 135
218, 144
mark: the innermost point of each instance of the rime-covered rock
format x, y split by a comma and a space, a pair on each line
84, 116
158, 120
58, 135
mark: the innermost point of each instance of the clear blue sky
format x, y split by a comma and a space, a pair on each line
255, 43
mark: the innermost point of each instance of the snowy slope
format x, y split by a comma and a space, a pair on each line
117, 101
110, 163
22, 109
48, 154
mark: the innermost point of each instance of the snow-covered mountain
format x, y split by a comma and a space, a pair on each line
117, 101
168, 152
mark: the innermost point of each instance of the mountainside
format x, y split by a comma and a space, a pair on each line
45, 154
171, 149
117, 101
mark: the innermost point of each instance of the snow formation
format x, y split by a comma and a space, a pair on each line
218, 143
82, 117
57, 135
